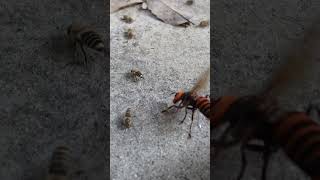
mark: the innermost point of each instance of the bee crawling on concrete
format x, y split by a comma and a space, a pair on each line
189, 2
129, 34
127, 122
136, 74
85, 35
59, 164
127, 19
204, 23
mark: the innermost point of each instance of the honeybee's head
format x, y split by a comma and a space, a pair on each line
178, 96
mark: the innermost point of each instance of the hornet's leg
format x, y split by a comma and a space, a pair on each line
191, 122
173, 106
170, 107
181, 106
312, 107
221, 143
266, 158
185, 115
243, 162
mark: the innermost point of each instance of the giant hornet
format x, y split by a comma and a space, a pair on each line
259, 117
190, 99
59, 165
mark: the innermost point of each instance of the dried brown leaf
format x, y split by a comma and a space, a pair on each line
167, 13
116, 5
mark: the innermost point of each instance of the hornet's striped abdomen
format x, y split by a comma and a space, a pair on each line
203, 104
219, 108
59, 165
300, 138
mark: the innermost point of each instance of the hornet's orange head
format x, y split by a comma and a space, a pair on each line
219, 108
178, 97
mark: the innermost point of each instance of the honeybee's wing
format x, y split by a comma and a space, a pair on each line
300, 65
202, 81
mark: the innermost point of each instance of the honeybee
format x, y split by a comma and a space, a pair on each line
129, 34
59, 164
190, 100
127, 19
203, 23
85, 35
189, 2
136, 74
260, 117
127, 122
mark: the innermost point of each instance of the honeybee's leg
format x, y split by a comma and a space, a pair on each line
84, 53
243, 162
191, 122
135, 79
74, 49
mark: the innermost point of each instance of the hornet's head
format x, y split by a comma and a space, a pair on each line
178, 97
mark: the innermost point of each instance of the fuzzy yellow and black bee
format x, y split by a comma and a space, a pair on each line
204, 23
189, 2
136, 74
85, 35
127, 19
127, 122
59, 164
129, 33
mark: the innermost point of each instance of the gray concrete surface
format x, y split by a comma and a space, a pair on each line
43, 104
171, 58
250, 40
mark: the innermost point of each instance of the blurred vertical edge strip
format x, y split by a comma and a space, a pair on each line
107, 120
211, 84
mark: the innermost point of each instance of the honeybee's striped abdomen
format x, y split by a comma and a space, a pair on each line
92, 40
300, 138
59, 164
203, 104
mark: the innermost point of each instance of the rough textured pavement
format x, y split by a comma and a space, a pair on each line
249, 42
171, 58
44, 104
